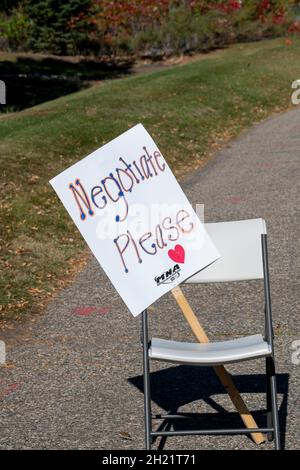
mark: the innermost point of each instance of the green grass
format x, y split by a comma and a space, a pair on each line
188, 109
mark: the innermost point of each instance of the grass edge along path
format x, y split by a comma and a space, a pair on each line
190, 110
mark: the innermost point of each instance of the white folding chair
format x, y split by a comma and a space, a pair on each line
243, 248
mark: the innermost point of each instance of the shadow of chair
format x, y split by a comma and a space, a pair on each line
170, 392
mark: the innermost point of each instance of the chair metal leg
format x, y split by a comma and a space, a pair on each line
270, 435
147, 395
275, 417
269, 338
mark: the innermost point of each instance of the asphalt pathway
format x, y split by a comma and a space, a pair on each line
74, 375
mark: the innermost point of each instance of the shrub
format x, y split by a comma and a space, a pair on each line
15, 29
58, 26
53, 26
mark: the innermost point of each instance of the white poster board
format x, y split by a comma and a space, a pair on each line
134, 216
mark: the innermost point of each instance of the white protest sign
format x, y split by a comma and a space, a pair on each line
135, 218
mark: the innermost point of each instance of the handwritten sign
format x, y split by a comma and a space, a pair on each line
135, 218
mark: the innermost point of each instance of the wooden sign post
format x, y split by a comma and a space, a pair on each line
221, 372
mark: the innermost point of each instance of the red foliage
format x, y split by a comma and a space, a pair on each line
126, 17
294, 27
278, 17
228, 7
124, 12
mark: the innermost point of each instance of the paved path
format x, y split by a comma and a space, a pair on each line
75, 380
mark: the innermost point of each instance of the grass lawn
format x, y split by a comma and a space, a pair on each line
188, 109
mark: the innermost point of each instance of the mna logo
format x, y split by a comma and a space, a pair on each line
2, 92
168, 276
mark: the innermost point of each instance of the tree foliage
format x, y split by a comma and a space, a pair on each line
108, 26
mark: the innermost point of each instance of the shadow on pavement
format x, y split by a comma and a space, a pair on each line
30, 81
169, 391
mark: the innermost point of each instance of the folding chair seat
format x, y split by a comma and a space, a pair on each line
243, 249
211, 354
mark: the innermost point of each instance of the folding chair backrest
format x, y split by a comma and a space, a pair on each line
240, 247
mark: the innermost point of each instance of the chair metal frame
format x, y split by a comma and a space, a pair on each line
272, 428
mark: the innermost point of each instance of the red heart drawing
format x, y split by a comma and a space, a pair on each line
178, 254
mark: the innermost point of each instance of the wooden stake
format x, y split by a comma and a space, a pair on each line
221, 372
